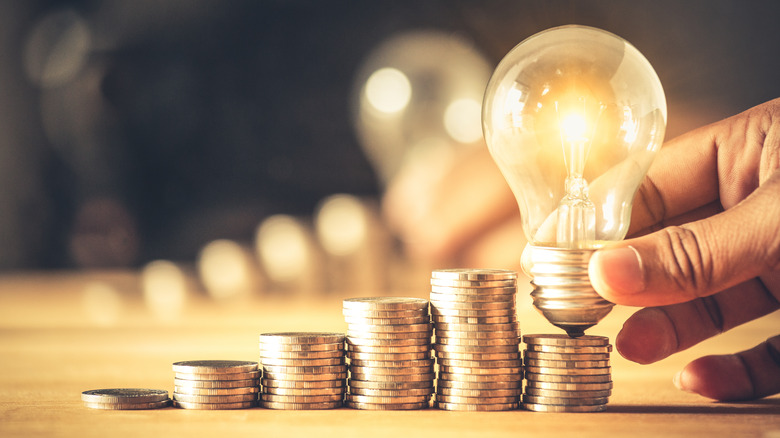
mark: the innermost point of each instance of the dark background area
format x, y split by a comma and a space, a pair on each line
191, 120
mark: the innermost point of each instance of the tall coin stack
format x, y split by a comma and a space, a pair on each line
477, 339
303, 371
389, 350
565, 374
215, 384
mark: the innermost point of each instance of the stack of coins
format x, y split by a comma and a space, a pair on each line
215, 384
303, 371
565, 374
125, 398
389, 350
477, 339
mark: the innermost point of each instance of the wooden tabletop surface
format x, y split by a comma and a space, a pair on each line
64, 333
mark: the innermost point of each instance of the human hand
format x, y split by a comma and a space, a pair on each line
708, 214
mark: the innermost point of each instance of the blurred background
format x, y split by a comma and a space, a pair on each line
301, 145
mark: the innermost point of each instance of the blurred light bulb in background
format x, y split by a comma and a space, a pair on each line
164, 286
287, 253
226, 269
573, 117
342, 224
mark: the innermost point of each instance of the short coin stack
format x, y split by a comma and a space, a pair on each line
125, 398
303, 371
477, 339
566, 374
389, 349
215, 384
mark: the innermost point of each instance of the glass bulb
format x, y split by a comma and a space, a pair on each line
573, 117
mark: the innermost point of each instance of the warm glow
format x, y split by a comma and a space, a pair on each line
341, 224
224, 269
102, 303
388, 90
283, 248
164, 286
462, 120
573, 127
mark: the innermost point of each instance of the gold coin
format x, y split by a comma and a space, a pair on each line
224, 377
385, 303
421, 363
303, 384
478, 371
457, 305
566, 340
355, 398
390, 336
301, 398
301, 338
214, 366
569, 371
480, 377
475, 400
216, 384
473, 313
267, 361
305, 391
477, 356
473, 285
479, 363
392, 357
514, 392
393, 378
605, 349
300, 355
475, 298
304, 377
355, 340
325, 369
388, 406
479, 386
400, 328
568, 364
326, 347
216, 391
506, 334
422, 319
392, 392
474, 407
389, 371
214, 406
567, 357
444, 319
564, 401
396, 386
558, 408
470, 342
477, 349
567, 394
124, 395
300, 406
385, 314
128, 406
384, 349
562, 386
474, 274
214, 398
512, 326
552, 378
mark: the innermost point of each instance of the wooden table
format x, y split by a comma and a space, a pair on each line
63, 333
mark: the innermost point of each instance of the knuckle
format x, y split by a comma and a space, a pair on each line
687, 261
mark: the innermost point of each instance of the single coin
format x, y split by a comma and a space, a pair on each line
389, 314
387, 406
474, 274
472, 285
414, 364
325, 369
567, 394
552, 378
478, 334
480, 377
214, 406
564, 401
128, 406
214, 398
457, 305
385, 303
444, 319
474, 407
569, 371
305, 384
124, 395
355, 398
372, 384
509, 327
514, 392
301, 398
305, 391
301, 355
388, 356
479, 363
479, 386
304, 377
511, 347
300, 406
568, 364
399, 328
214, 366
605, 349
389, 371
390, 336
211, 377
216, 384
449, 340
473, 313
561, 356
558, 408
474, 298
477, 356
366, 342
267, 361
475, 400
384, 349
218, 391
276, 347
566, 340
393, 378
392, 392
422, 319
560, 386
301, 338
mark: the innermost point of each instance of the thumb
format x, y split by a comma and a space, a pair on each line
681, 263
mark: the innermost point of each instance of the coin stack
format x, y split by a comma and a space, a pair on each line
565, 374
477, 339
125, 398
389, 350
215, 384
302, 371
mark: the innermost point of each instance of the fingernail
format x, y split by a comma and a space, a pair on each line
617, 271
677, 381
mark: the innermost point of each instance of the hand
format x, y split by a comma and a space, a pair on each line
708, 214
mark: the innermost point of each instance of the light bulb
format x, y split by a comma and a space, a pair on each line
573, 117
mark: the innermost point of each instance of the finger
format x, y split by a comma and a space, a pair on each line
747, 375
678, 264
654, 333
699, 213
